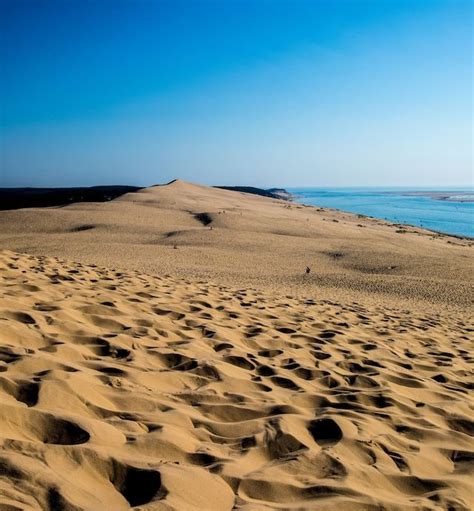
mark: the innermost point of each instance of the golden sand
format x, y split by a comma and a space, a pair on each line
217, 375
252, 241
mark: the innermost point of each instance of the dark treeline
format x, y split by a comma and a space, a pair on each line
16, 198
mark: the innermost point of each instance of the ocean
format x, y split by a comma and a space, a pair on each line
449, 212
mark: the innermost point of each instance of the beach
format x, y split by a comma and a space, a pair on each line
186, 347
448, 212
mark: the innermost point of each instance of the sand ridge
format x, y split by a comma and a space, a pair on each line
122, 389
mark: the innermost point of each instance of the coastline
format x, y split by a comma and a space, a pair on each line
446, 195
368, 202
418, 228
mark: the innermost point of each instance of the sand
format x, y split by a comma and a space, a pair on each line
243, 240
217, 375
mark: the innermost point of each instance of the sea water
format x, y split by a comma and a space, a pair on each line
422, 208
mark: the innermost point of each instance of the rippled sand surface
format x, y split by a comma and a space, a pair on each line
120, 389
168, 351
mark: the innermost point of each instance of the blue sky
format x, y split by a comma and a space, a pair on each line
254, 92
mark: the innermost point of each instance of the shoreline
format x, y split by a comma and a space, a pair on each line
390, 223
288, 196
444, 195
298, 199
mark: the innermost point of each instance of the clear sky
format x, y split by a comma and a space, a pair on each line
250, 92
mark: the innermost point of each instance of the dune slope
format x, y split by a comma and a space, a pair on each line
121, 389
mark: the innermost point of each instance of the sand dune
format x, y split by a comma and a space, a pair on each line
239, 239
217, 375
120, 389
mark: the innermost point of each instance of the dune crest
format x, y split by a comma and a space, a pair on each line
121, 389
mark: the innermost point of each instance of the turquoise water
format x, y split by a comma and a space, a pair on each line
448, 216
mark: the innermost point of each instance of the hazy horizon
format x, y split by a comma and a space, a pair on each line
264, 93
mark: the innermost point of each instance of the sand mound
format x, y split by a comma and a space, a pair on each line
120, 389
